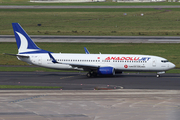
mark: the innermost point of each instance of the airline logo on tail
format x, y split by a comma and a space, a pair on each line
24, 43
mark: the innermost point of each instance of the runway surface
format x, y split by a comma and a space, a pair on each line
97, 39
61, 7
79, 81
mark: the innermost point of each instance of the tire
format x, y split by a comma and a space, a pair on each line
88, 75
157, 76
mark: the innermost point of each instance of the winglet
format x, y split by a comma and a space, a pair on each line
86, 51
52, 58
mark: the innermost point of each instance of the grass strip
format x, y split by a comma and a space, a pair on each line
27, 87
176, 71
113, 22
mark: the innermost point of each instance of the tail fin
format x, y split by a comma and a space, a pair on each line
24, 43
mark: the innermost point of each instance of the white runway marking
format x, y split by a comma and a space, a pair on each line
135, 103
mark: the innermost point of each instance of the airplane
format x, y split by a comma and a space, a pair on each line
94, 64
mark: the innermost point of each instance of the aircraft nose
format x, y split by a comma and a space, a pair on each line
172, 65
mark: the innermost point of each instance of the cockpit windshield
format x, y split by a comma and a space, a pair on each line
164, 61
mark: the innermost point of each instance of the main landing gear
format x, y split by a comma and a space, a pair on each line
88, 75
91, 74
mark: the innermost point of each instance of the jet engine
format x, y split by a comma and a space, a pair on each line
106, 71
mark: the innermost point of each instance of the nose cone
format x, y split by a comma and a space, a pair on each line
172, 65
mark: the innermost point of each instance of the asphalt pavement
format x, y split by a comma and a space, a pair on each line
79, 81
97, 39
62, 7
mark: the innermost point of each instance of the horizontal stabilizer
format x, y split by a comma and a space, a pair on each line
16, 55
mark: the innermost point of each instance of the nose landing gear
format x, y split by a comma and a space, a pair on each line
158, 73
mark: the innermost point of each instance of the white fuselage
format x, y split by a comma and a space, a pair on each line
120, 62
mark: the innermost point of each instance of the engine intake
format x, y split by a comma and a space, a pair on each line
106, 71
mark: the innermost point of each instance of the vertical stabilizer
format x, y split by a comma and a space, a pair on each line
24, 43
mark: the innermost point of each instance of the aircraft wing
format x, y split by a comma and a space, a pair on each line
16, 55
84, 66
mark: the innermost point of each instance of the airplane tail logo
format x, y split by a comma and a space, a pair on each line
24, 43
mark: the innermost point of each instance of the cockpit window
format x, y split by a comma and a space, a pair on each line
164, 61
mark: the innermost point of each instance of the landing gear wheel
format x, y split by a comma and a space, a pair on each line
91, 74
157, 76
88, 75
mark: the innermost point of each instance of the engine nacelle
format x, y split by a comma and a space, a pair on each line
106, 71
